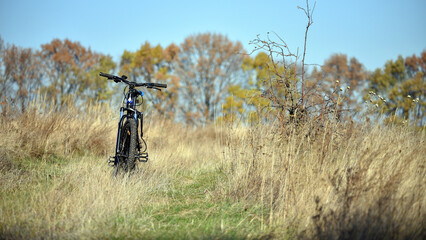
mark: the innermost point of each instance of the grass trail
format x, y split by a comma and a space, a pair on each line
77, 198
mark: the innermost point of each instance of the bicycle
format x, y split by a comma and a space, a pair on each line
130, 146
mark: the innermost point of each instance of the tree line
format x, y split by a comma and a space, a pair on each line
211, 78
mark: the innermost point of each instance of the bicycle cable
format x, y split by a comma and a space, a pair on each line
144, 143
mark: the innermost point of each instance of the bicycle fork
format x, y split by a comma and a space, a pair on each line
113, 160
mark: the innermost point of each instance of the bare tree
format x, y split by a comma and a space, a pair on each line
285, 86
21, 70
207, 64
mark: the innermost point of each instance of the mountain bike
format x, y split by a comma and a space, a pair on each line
130, 146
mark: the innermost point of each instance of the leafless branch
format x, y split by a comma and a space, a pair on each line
308, 12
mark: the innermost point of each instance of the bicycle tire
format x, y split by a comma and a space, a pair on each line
128, 145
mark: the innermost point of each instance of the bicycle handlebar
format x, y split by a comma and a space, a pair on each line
124, 79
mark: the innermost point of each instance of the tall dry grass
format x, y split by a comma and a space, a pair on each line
342, 182
42, 132
352, 181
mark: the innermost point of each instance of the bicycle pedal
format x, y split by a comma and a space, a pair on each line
111, 161
143, 157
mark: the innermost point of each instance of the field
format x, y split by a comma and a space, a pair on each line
343, 181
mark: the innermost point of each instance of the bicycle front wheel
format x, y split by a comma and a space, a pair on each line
128, 145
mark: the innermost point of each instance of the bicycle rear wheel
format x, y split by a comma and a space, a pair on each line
127, 146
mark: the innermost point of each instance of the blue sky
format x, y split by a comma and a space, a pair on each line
373, 31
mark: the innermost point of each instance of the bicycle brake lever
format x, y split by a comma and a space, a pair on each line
155, 88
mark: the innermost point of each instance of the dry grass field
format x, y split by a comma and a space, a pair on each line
345, 181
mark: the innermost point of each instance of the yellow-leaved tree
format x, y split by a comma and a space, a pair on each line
154, 64
398, 89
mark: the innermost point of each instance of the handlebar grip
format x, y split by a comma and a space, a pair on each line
109, 76
160, 85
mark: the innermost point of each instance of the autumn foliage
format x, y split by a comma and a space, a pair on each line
213, 79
